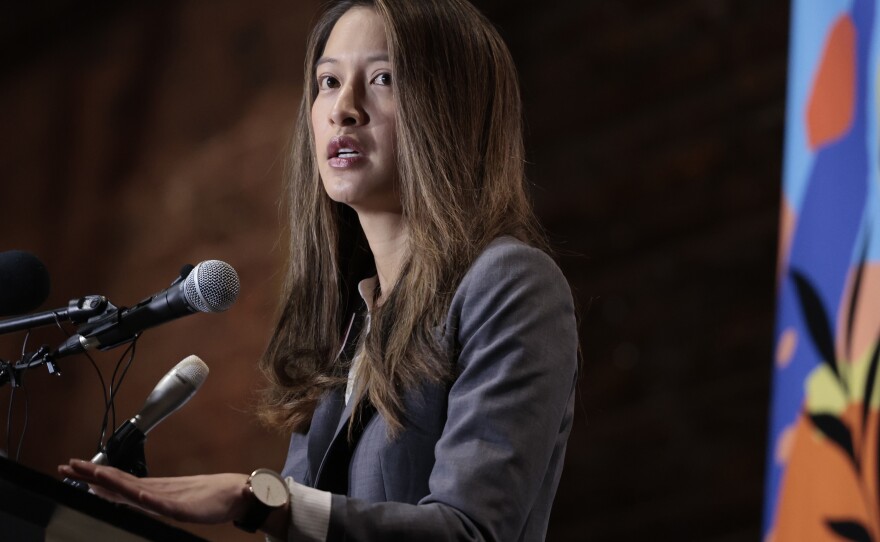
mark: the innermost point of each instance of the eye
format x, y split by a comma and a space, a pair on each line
383, 79
327, 82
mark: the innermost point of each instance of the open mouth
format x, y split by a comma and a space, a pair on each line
347, 153
344, 151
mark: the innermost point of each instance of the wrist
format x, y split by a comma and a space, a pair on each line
277, 524
266, 502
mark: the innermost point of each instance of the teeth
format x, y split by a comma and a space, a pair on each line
347, 154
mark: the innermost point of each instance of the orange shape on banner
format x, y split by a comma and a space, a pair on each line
821, 486
832, 100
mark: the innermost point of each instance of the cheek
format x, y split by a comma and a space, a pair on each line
314, 124
315, 118
318, 149
392, 130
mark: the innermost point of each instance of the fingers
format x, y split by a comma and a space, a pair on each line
107, 482
88, 474
79, 470
119, 486
83, 470
212, 498
69, 468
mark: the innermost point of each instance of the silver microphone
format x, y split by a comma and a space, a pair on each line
177, 387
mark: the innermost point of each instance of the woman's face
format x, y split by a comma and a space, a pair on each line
353, 115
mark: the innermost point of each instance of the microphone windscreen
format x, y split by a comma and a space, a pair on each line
212, 286
24, 282
192, 370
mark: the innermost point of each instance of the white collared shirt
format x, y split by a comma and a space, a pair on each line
367, 291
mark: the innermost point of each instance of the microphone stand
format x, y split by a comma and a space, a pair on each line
10, 372
77, 311
125, 451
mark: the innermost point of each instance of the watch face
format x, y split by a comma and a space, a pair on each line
269, 488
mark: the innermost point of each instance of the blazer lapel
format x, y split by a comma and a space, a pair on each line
332, 474
330, 422
321, 432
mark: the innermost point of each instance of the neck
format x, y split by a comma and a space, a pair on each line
387, 237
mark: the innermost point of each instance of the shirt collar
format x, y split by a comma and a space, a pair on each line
367, 290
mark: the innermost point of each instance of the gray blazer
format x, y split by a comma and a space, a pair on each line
479, 459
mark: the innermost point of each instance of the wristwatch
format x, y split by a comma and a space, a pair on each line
268, 492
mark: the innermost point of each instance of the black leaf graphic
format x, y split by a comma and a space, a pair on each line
867, 401
817, 320
869, 387
833, 428
850, 530
857, 286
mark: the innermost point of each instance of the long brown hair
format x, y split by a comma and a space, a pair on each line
462, 184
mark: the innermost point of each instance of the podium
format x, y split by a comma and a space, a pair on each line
36, 507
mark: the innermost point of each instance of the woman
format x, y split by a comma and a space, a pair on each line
426, 354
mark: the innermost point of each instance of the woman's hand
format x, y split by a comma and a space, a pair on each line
215, 498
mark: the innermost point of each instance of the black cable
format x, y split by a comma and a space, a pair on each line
11, 367
23, 389
91, 360
24, 428
107, 404
115, 385
9, 423
24, 343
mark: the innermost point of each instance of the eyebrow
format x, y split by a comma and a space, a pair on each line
380, 57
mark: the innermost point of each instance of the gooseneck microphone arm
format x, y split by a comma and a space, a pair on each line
77, 311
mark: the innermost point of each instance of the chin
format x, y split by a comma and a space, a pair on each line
343, 196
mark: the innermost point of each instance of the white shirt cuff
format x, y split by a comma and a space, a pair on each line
309, 514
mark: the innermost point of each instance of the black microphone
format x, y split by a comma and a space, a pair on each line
124, 449
212, 286
24, 282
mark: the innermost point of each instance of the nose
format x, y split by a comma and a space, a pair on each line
348, 109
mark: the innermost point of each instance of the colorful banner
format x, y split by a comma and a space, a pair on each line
822, 465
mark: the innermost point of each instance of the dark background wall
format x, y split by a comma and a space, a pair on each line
138, 136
